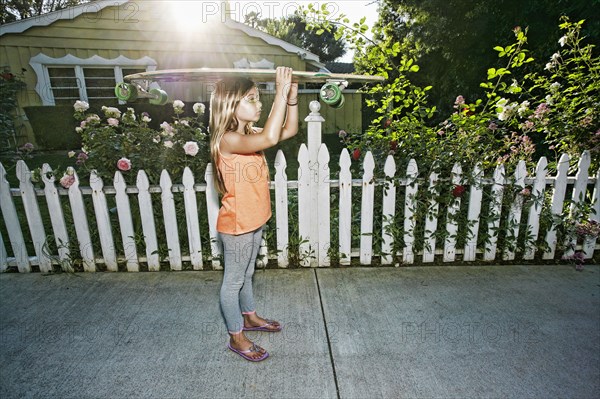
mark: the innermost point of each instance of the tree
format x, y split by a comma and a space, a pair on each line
455, 38
13, 10
292, 29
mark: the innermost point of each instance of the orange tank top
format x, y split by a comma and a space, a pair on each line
246, 205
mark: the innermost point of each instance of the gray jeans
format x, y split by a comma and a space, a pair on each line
237, 298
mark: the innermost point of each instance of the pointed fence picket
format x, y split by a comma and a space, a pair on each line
323, 204
410, 205
452, 222
389, 210
535, 210
366, 210
34, 217
558, 198
313, 251
493, 226
281, 209
61, 237
212, 208
126, 223
13, 226
304, 215
514, 216
475, 198
148, 224
82, 228
170, 220
191, 218
431, 219
345, 208
103, 222
578, 195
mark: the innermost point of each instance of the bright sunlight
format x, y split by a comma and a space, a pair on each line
190, 15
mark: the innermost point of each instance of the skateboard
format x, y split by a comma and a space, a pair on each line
138, 85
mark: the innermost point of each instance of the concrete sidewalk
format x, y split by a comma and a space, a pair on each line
426, 332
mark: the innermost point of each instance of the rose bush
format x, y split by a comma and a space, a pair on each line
521, 117
124, 141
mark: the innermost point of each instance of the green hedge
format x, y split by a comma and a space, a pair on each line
53, 127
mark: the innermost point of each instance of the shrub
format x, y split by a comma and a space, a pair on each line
53, 127
114, 140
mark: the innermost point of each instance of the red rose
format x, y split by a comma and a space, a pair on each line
393, 145
458, 191
124, 164
387, 123
356, 154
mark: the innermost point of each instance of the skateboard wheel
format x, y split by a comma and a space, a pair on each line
126, 92
339, 104
330, 93
159, 97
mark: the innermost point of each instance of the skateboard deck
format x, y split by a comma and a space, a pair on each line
138, 85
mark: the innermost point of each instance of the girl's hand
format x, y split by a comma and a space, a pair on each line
283, 81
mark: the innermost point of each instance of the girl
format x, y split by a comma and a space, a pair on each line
242, 178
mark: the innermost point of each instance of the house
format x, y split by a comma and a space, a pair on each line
81, 52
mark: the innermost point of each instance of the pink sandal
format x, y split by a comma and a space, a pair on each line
265, 327
253, 348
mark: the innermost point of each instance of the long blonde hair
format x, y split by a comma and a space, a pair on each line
223, 101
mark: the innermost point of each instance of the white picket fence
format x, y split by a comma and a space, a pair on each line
314, 214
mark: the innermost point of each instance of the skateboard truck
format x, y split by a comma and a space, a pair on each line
331, 93
132, 91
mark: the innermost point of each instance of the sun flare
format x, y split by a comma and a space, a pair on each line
189, 15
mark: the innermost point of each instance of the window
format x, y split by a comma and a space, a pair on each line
62, 81
64, 85
99, 83
93, 84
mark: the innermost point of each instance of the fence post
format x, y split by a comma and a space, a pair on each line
315, 125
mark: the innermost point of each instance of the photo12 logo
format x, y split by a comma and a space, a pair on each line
239, 10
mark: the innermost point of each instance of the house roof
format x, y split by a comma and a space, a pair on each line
51, 17
96, 6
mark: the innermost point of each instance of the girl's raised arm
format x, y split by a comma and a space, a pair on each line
235, 143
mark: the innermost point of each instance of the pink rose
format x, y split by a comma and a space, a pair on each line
67, 181
191, 148
124, 164
113, 122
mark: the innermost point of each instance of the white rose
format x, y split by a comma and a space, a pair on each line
81, 106
191, 148
178, 104
199, 108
